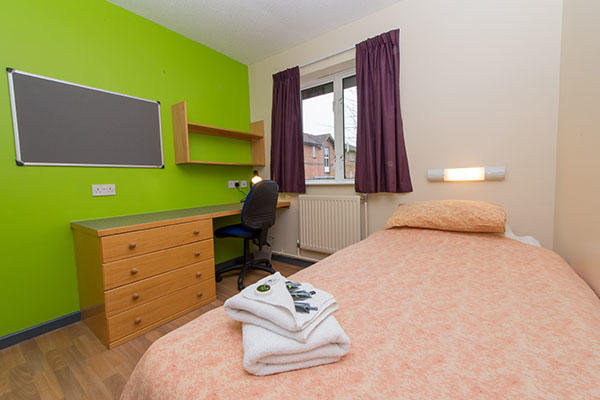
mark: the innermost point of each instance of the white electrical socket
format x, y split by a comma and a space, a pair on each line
104, 190
244, 184
231, 184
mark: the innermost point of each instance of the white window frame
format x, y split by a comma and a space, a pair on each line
338, 115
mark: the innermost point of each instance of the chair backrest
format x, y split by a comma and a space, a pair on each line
258, 212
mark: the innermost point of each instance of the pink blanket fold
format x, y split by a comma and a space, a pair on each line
431, 315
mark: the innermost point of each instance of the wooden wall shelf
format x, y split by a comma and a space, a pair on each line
221, 163
182, 128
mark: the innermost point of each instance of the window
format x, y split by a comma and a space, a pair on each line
329, 116
350, 124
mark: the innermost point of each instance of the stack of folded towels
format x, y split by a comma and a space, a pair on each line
280, 334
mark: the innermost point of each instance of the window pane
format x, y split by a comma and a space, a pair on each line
349, 82
317, 91
350, 124
318, 137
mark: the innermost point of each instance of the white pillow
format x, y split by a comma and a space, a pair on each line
525, 239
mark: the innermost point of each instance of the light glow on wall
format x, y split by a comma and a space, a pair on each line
464, 174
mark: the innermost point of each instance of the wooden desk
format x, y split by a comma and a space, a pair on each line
137, 272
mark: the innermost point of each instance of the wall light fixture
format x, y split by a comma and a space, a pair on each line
466, 174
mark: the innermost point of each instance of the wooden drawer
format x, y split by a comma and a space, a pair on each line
139, 317
124, 245
125, 297
133, 269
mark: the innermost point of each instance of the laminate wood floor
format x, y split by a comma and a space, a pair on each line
71, 363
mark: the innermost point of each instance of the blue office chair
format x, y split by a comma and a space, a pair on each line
258, 215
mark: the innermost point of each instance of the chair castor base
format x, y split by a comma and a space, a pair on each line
245, 264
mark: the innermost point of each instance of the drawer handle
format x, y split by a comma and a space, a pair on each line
196, 232
138, 320
197, 254
135, 296
132, 246
198, 274
134, 271
199, 294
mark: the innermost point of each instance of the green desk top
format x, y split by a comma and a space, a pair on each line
112, 225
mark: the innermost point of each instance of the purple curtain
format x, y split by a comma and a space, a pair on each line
287, 157
381, 162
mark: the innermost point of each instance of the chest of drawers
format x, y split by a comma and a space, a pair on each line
134, 278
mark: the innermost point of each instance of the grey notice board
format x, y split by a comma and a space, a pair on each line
62, 123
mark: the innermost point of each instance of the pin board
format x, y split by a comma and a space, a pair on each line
67, 124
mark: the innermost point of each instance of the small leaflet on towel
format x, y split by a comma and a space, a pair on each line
298, 293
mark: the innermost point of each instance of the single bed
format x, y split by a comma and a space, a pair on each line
431, 315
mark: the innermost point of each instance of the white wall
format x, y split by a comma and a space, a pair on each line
577, 235
479, 86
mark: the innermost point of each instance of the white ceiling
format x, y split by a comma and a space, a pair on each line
251, 30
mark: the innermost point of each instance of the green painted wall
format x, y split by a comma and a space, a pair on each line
96, 43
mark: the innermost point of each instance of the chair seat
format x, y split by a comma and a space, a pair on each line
235, 231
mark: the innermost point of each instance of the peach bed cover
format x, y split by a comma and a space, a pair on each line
430, 314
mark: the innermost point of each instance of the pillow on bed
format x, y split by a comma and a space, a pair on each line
450, 215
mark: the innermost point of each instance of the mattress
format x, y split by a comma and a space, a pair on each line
431, 315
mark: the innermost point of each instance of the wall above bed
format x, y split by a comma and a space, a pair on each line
478, 86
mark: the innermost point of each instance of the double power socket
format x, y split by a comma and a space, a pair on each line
104, 190
231, 184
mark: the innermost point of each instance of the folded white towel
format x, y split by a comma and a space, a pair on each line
276, 311
266, 352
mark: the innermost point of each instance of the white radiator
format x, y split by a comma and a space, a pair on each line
329, 223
